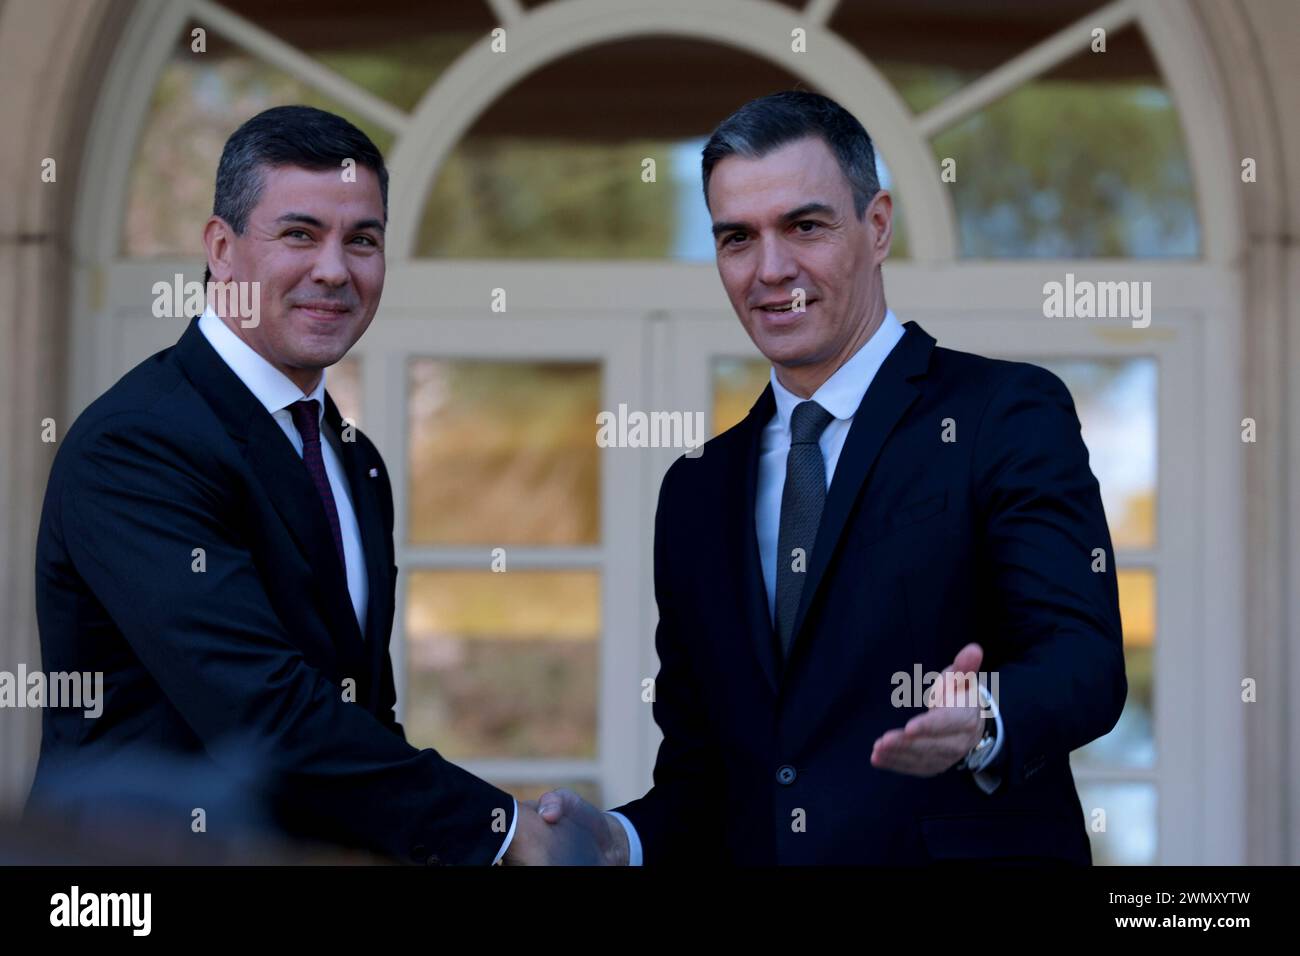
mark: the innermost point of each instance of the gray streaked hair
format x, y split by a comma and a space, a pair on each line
769, 122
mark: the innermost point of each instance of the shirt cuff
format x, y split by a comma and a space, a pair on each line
514, 818
633, 841
988, 780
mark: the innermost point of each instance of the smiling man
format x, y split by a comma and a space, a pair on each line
887, 508
219, 544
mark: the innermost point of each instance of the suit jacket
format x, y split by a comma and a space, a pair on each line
253, 651
924, 545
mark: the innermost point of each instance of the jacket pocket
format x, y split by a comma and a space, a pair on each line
917, 510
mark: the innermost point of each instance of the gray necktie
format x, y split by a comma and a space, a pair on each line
802, 499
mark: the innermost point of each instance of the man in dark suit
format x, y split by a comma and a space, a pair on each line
888, 509
219, 543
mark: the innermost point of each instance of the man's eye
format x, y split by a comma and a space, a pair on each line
732, 239
296, 233
365, 239
806, 222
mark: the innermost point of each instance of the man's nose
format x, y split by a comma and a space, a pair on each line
331, 266
777, 264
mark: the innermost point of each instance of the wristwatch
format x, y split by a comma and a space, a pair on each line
979, 754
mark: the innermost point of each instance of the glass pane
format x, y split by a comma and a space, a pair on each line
503, 453
737, 383
1129, 837
1116, 400
392, 49
503, 664
554, 168
929, 49
1132, 742
202, 98
343, 382
589, 790
1080, 162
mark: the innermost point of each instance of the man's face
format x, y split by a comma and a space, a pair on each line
315, 243
784, 222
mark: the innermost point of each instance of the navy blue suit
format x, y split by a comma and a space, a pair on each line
924, 545
254, 651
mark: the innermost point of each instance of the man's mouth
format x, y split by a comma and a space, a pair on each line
323, 310
779, 308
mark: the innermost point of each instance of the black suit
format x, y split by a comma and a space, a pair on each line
924, 545
255, 650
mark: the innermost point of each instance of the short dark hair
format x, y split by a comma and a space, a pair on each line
286, 136
769, 122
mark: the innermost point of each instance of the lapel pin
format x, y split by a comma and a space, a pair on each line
374, 472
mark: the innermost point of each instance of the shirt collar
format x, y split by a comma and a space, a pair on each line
842, 393
268, 384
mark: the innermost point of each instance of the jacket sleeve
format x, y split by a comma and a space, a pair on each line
140, 495
1055, 611
677, 820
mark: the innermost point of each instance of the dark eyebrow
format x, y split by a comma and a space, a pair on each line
306, 220
807, 209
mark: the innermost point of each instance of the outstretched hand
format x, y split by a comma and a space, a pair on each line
932, 742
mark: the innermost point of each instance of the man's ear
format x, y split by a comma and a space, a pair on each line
217, 239
880, 214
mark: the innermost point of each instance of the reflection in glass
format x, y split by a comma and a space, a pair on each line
737, 383
1076, 164
1128, 812
928, 51
394, 50
503, 453
1132, 741
503, 664
343, 383
1116, 400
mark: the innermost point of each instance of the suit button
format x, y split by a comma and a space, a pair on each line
785, 776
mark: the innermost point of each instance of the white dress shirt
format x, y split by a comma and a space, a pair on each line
841, 394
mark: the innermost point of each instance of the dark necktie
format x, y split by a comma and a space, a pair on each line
802, 499
306, 418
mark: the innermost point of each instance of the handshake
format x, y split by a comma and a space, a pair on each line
562, 829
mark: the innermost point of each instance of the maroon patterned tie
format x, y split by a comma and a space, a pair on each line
306, 418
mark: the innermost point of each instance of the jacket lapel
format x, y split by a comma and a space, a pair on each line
282, 476
752, 590
888, 398
373, 545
